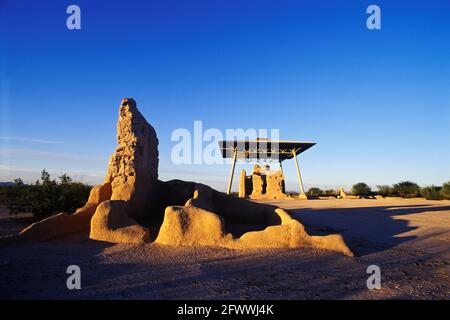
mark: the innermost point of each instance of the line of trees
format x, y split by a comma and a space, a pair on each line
45, 197
408, 189
404, 189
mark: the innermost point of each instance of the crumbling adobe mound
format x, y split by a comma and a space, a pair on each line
112, 223
133, 206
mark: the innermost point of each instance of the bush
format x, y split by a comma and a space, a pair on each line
46, 197
315, 192
445, 191
384, 190
330, 193
406, 189
431, 193
361, 189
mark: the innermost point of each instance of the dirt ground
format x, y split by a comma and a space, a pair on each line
409, 239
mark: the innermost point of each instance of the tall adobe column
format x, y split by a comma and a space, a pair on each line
133, 168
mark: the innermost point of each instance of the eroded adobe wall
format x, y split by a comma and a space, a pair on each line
132, 200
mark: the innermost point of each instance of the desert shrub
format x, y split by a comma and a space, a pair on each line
330, 193
431, 193
406, 189
315, 192
361, 189
384, 190
445, 191
5, 189
46, 197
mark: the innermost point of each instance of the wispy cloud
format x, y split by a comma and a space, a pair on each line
33, 140
13, 168
10, 168
28, 153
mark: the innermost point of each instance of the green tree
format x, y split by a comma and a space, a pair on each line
406, 189
445, 191
315, 192
16, 197
47, 197
45, 176
431, 193
384, 190
361, 189
65, 179
330, 192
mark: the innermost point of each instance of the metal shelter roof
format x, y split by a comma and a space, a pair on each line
263, 149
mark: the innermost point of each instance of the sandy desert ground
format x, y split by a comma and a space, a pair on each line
408, 238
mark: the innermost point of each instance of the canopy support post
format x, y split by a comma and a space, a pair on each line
302, 190
281, 169
230, 181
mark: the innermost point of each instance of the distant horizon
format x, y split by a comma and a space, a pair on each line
377, 102
291, 186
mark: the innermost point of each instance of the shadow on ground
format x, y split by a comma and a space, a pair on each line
366, 230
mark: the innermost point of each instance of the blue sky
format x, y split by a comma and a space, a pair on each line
377, 102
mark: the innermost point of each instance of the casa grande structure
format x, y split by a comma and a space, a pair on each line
263, 183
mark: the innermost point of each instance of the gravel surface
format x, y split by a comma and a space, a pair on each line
408, 239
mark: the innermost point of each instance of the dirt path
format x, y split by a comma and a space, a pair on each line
376, 225
10, 224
